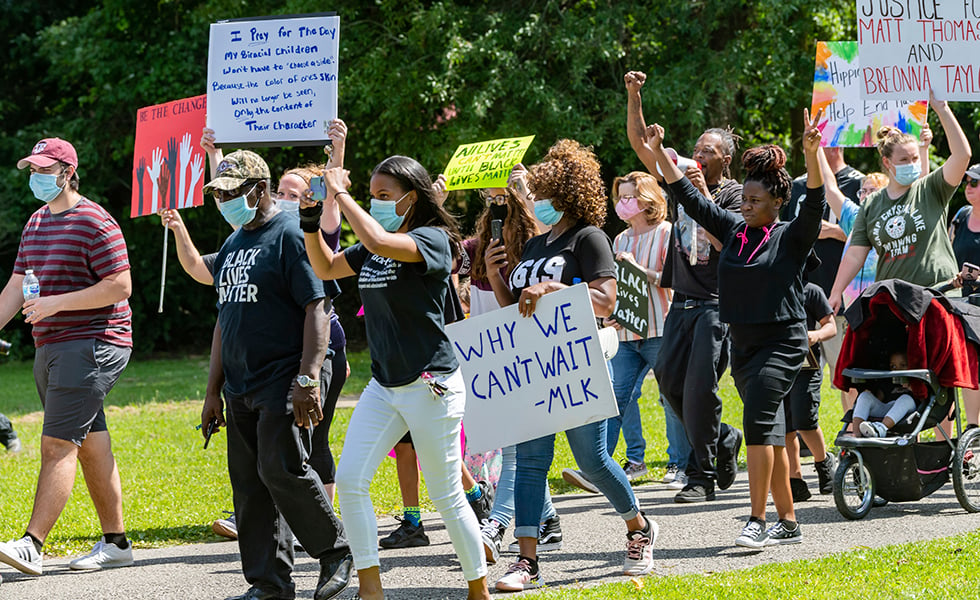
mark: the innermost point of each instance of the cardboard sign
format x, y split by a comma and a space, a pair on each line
848, 120
908, 48
530, 377
273, 82
168, 162
485, 164
632, 298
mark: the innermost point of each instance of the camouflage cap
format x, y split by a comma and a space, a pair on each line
237, 168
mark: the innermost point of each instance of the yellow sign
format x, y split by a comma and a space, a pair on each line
485, 164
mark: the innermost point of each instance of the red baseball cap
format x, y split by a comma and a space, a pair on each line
49, 151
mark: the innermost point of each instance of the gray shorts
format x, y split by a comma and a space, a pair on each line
72, 380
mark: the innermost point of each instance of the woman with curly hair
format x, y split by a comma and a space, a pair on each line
407, 246
569, 196
760, 291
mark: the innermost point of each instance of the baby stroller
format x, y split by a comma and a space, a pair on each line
940, 338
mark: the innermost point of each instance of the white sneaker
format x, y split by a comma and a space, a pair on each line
579, 480
519, 578
639, 550
671, 474
103, 556
679, 482
873, 429
21, 555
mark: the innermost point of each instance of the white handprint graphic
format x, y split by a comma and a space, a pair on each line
154, 171
184, 158
197, 171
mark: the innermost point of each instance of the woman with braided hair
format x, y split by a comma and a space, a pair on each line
760, 291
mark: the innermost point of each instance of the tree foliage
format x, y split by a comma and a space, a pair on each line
417, 78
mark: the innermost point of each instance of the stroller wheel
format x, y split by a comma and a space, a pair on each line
854, 489
966, 470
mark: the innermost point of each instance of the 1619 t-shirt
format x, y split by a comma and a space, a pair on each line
403, 308
582, 253
264, 282
909, 233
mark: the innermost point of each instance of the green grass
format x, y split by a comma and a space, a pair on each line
173, 489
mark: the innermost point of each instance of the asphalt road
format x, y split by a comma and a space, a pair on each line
693, 539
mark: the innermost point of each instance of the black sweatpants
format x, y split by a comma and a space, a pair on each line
693, 356
273, 485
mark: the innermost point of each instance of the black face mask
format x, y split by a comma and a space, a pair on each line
498, 211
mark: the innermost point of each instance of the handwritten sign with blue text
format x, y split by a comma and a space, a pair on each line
632, 298
527, 377
273, 82
485, 164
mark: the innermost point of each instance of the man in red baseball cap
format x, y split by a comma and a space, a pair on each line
83, 338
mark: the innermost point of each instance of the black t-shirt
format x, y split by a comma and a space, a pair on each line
579, 255
966, 246
404, 306
760, 272
817, 308
264, 282
698, 280
829, 251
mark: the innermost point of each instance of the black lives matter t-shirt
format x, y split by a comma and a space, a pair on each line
581, 254
404, 307
264, 282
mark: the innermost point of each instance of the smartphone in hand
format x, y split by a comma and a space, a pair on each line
319, 188
212, 427
496, 229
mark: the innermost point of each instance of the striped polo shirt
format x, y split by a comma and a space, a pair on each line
70, 251
650, 251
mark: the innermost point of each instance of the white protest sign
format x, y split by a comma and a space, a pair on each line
273, 81
530, 377
908, 47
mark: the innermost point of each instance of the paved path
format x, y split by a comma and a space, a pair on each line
693, 539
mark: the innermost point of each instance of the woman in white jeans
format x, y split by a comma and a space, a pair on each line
403, 263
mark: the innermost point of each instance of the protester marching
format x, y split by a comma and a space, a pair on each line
492, 332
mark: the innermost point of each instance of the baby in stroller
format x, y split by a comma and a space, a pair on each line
891, 405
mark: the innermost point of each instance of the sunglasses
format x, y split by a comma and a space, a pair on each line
225, 195
971, 182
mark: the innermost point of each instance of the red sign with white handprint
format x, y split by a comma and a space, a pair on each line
168, 169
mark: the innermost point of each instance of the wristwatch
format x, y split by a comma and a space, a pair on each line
307, 382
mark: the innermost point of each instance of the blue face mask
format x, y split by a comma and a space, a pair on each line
546, 213
45, 187
384, 213
906, 174
237, 211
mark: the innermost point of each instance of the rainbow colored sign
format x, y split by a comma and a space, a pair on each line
848, 119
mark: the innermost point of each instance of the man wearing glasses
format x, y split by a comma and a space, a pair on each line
267, 360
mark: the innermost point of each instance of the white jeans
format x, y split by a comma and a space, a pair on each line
381, 418
868, 406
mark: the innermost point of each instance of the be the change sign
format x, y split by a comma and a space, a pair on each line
911, 46
527, 377
485, 164
273, 82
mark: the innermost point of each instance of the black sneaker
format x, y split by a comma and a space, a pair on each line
801, 492
727, 462
406, 536
779, 534
549, 535
694, 492
484, 504
825, 474
492, 534
753, 535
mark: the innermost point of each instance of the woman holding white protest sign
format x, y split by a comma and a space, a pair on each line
403, 261
760, 290
640, 202
569, 197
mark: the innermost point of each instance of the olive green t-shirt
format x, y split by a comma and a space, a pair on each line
909, 233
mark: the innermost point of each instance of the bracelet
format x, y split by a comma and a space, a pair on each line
341, 192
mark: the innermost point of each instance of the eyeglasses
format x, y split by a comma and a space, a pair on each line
499, 199
972, 182
622, 198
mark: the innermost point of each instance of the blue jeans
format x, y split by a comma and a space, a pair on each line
630, 366
588, 444
503, 500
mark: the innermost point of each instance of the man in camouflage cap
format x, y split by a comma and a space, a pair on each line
267, 361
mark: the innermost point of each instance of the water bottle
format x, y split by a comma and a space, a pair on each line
31, 287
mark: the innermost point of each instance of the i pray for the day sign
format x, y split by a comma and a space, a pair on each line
911, 46
527, 377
